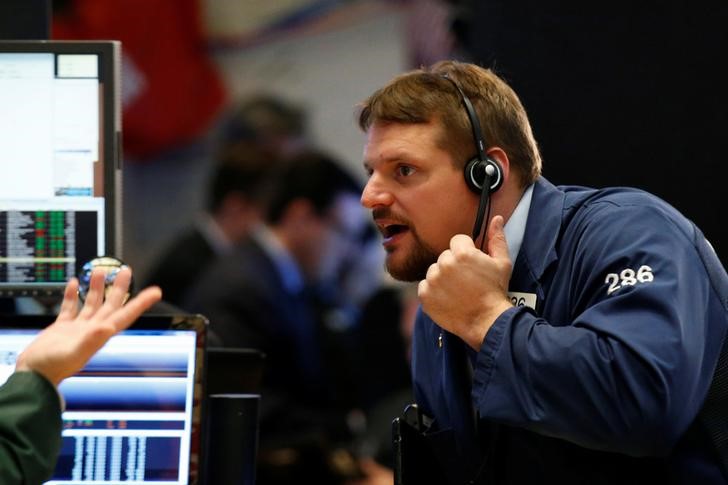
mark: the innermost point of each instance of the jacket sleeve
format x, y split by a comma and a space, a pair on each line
30, 429
629, 367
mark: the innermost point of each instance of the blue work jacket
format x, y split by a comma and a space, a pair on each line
602, 380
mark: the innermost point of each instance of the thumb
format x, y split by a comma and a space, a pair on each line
497, 245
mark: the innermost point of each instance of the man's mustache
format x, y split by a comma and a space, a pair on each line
389, 215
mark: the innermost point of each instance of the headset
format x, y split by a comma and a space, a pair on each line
483, 175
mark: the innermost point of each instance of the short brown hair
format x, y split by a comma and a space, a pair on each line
424, 95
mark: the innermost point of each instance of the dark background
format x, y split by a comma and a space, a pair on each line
619, 93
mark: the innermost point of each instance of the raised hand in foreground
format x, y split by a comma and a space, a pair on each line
64, 347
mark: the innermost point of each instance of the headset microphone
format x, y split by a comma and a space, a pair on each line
483, 175
490, 172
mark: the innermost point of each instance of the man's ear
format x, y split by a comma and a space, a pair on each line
498, 155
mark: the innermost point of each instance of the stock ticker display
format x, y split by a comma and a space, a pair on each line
42, 246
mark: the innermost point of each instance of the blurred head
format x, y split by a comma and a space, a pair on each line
314, 210
419, 139
270, 121
238, 187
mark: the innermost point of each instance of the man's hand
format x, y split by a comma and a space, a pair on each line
466, 290
64, 347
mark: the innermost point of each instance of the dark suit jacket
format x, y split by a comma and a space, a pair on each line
181, 264
248, 305
30, 429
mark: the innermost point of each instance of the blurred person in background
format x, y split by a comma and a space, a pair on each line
268, 120
265, 295
255, 133
234, 207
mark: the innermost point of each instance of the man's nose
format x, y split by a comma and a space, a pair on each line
375, 194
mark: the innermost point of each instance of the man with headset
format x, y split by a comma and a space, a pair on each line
576, 339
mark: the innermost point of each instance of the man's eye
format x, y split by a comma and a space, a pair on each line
405, 170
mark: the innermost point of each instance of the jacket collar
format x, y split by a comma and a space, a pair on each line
538, 250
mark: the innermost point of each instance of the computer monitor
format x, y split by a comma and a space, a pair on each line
60, 178
133, 413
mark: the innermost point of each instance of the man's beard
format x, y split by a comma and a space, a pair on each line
416, 263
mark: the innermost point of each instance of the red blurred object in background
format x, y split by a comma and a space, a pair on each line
172, 91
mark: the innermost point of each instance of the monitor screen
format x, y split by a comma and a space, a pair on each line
133, 412
60, 127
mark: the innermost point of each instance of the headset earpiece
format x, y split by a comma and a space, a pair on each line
481, 171
475, 174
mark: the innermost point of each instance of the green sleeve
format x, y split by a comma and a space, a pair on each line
30, 429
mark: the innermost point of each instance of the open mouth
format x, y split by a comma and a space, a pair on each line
390, 226
392, 230
391, 233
